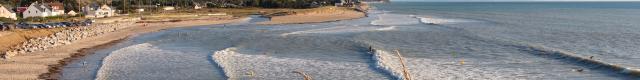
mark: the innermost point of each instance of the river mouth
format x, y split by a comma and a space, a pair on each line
332, 50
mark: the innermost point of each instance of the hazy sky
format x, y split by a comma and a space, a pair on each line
510, 0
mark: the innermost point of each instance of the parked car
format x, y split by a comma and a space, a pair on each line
22, 25
3, 27
52, 25
61, 25
40, 26
88, 22
67, 24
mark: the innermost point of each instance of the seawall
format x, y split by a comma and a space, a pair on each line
63, 37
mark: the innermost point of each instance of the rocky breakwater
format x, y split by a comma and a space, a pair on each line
63, 37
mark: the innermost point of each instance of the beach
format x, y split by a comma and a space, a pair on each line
441, 41
390, 41
45, 64
48, 63
323, 14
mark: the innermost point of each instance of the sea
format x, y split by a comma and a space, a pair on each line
397, 40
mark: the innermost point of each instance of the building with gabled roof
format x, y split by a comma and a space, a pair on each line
95, 11
57, 8
36, 10
7, 13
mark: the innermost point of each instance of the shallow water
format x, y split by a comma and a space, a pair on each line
438, 41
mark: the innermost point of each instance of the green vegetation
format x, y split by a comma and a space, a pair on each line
6, 20
129, 5
240, 7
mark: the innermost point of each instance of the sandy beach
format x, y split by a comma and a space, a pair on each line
323, 14
46, 64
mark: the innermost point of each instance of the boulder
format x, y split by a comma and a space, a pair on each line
8, 54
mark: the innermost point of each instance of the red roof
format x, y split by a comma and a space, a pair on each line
21, 9
56, 5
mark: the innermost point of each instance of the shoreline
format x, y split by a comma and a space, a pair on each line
55, 71
49, 63
319, 15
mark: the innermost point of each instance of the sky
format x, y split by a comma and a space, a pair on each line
505, 0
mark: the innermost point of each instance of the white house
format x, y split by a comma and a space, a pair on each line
56, 8
99, 12
36, 10
197, 6
72, 13
7, 13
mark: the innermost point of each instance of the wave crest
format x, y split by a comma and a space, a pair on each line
223, 59
388, 63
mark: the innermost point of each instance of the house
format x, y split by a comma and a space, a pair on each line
197, 6
72, 13
57, 8
36, 10
7, 13
94, 11
346, 3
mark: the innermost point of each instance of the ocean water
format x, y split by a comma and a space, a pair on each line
438, 41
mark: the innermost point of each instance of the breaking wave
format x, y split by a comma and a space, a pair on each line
223, 59
239, 66
388, 63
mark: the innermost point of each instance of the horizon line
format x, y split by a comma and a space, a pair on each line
509, 1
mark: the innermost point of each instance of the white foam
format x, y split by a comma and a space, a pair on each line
340, 29
432, 20
395, 19
239, 66
223, 58
387, 28
148, 62
387, 62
